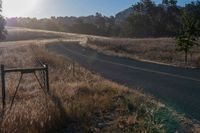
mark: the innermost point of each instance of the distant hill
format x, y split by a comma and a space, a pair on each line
121, 16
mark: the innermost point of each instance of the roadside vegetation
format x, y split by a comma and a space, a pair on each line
181, 50
160, 50
79, 101
189, 35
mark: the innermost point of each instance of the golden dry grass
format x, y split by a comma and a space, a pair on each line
79, 101
160, 50
19, 34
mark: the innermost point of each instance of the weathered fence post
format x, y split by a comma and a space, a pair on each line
73, 67
3, 86
47, 77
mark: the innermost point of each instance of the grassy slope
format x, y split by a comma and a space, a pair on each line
162, 50
78, 102
159, 50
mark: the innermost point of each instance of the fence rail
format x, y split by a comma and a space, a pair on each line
25, 70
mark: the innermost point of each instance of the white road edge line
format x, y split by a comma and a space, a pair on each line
136, 68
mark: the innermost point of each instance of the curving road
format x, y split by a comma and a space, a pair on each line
177, 87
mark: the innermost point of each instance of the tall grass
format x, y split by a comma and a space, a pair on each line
79, 102
161, 50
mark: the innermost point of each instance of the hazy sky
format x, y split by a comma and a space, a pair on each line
47, 8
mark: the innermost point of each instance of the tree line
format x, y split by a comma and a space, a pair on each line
93, 24
147, 19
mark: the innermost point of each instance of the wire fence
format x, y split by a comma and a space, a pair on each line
41, 75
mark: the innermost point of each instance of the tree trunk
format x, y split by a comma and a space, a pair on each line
186, 57
191, 57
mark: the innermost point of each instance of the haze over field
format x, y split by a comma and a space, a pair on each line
48, 8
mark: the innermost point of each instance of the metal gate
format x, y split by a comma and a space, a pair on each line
43, 70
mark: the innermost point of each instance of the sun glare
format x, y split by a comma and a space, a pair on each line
17, 8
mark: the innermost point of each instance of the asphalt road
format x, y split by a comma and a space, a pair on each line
177, 87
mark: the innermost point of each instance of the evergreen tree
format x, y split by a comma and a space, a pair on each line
3, 31
165, 2
173, 2
188, 37
193, 9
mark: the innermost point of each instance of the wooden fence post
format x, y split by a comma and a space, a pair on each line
47, 77
73, 68
3, 86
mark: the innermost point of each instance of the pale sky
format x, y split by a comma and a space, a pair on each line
48, 8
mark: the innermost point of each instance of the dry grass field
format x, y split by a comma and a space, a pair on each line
79, 101
160, 50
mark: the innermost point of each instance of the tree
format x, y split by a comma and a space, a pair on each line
165, 2
193, 9
99, 20
151, 20
173, 2
169, 2
139, 26
3, 31
189, 34
140, 22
